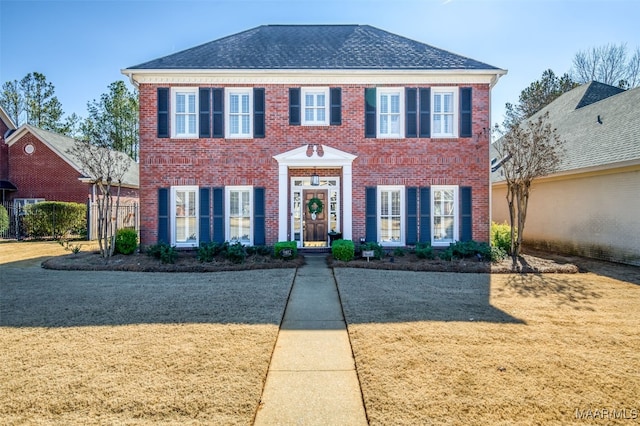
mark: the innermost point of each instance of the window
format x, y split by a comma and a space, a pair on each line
20, 203
239, 107
391, 215
184, 120
315, 104
444, 112
444, 205
184, 215
239, 205
390, 116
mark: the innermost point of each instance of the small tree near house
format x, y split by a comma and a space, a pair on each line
106, 169
529, 150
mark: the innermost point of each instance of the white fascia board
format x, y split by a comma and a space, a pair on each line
305, 76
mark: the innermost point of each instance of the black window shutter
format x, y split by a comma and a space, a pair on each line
258, 112
218, 215
370, 113
425, 215
411, 109
163, 215
163, 112
259, 236
425, 113
412, 215
371, 213
204, 225
465, 112
336, 106
294, 106
218, 113
205, 112
466, 223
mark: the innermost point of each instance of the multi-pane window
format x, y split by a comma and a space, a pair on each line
315, 105
391, 207
185, 117
239, 106
185, 219
444, 112
239, 215
445, 211
390, 121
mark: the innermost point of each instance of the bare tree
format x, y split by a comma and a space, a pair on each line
106, 170
528, 151
608, 64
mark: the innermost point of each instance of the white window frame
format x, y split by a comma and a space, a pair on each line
175, 91
21, 203
230, 91
227, 213
390, 188
174, 190
456, 214
439, 91
386, 91
327, 101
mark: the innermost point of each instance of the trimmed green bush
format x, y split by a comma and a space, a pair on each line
501, 236
424, 251
343, 250
55, 219
164, 252
285, 245
378, 250
126, 241
208, 251
4, 219
235, 253
399, 251
472, 249
261, 250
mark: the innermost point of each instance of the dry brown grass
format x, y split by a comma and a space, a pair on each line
542, 347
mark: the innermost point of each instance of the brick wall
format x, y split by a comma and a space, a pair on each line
221, 162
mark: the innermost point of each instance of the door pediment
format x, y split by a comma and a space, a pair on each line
314, 155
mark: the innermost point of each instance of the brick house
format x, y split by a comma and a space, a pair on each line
7, 126
36, 163
245, 137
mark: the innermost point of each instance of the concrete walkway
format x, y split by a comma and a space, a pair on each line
312, 378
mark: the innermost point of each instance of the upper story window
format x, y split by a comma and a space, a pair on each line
315, 104
390, 117
184, 120
444, 114
239, 107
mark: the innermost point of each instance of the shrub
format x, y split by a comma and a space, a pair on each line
261, 250
208, 251
399, 251
126, 241
54, 219
343, 250
472, 249
285, 245
378, 251
501, 236
424, 251
164, 252
4, 219
235, 253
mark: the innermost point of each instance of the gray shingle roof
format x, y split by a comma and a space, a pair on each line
589, 143
315, 47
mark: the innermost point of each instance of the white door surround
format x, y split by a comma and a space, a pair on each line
314, 156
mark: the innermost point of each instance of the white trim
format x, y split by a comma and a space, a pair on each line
228, 91
227, 211
456, 214
172, 214
189, 91
315, 90
402, 190
454, 90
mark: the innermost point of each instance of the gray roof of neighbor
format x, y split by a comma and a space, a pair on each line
315, 47
600, 124
61, 144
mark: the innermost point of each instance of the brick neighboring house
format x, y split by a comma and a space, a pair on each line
7, 126
37, 164
240, 137
590, 206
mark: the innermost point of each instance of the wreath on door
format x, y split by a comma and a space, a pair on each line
315, 205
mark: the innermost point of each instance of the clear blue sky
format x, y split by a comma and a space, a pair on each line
81, 46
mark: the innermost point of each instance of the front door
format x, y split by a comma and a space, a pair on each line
315, 225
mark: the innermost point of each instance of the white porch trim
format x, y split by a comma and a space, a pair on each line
327, 158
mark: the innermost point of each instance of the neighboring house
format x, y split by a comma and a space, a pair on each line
41, 169
7, 126
590, 206
240, 137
